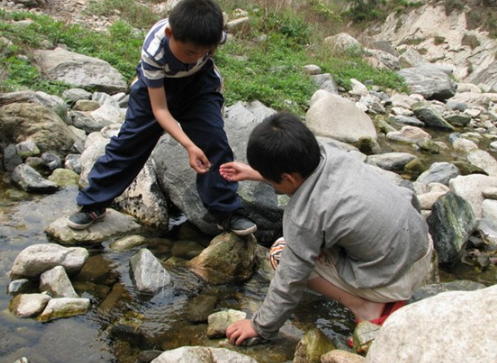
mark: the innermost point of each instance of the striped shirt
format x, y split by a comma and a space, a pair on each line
158, 62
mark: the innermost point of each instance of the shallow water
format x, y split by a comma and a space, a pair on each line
121, 323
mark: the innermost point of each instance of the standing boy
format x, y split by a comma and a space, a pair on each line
349, 233
178, 89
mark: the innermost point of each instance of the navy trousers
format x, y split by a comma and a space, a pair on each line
196, 103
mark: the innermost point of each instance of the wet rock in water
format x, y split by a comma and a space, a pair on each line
457, 119
36, 259
312, 346
129, 331
430, 116
394, 161
118, 297
202, 354
73, 338
186, 249
264, 268
441, 172
148, 275
128, 242
56, 283
114, 224
451, 223
409, 135
407, 120
229, 258
64, 307
200, 307
219, 322
28, 305
364, 335
28, 179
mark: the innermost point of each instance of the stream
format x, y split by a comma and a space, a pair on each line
123, 326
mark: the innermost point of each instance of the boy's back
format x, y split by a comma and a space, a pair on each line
348, 204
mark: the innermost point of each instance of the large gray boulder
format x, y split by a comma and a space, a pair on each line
80, 70
432, 83
455, 326
36, 259
179, 180
451, 222
333, 116
36, 122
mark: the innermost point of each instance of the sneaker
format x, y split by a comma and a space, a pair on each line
85, 217
238, 223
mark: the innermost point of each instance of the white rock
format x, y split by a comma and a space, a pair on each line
455, 326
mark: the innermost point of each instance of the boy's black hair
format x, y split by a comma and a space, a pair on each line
197, 21
282, 144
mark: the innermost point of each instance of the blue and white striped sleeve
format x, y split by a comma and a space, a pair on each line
153, 56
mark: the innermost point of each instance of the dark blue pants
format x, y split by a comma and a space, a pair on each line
195, 102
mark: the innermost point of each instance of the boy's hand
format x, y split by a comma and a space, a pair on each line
237, 171
240, 330
198, 160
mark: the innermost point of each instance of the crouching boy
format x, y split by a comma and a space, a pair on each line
349, 233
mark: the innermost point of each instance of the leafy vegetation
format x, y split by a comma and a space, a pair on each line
263, 63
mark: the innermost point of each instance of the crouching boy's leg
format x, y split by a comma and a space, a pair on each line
365, 304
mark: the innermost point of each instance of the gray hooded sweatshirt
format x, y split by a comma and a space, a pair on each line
347, 205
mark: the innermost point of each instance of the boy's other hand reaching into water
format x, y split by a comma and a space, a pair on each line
240, 330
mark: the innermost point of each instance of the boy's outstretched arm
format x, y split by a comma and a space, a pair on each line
198, 160
237, 171
241, 330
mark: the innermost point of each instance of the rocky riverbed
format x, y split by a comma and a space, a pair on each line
439, 140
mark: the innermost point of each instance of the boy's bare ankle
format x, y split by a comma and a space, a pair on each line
369, 311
